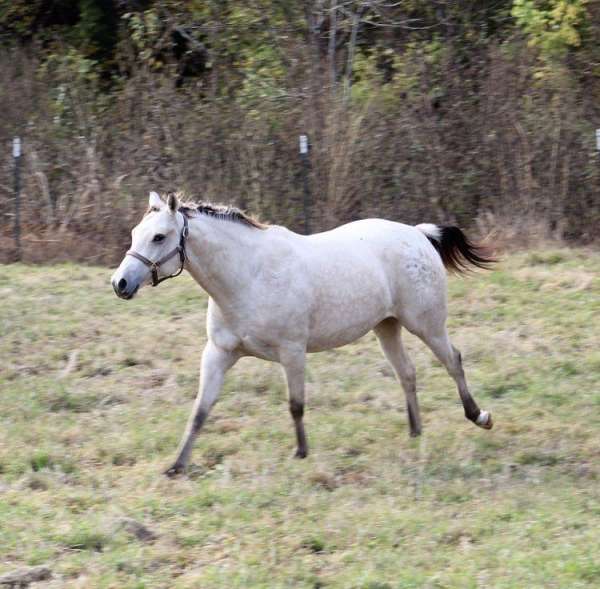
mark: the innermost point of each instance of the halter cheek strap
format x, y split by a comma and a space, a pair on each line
154, 266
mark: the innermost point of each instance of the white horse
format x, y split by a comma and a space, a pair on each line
276, 295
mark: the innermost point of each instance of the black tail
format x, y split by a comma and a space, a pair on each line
455, 249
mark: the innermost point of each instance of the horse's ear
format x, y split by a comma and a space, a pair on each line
154, 201
172, 202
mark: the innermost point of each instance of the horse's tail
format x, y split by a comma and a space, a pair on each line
455, 249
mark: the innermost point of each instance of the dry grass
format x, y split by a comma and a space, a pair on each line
95, 393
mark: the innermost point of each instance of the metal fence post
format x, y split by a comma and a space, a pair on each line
17, 229
304, 146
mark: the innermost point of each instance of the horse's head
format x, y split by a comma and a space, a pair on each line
156, 252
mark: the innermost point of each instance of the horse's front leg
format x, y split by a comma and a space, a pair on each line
293, 362
215, 363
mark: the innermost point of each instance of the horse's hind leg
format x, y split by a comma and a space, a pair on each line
450, 357
389, 334
293, 362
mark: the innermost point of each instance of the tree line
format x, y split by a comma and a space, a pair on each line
476, 112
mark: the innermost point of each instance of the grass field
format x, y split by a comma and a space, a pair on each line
95, 392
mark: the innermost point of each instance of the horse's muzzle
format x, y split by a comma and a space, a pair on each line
123, 289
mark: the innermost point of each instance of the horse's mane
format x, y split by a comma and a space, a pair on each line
225, 212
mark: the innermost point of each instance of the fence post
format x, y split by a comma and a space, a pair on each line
17, 228
304, 146
598, 142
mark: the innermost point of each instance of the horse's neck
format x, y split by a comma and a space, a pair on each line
220, 256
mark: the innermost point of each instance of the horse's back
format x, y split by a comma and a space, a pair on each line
395, 246
369, 230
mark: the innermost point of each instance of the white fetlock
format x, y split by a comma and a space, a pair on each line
483, 418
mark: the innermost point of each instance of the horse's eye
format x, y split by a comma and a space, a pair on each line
158, 237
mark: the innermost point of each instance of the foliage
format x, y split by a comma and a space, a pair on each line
414, 110
145, 30
552, 25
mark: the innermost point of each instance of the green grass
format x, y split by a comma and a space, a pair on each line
95, 393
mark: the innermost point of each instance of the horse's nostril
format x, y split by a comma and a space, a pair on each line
122, 285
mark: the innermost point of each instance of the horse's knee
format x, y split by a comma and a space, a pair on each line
409, 377
455, 366
457, 357
296, 409
199, 419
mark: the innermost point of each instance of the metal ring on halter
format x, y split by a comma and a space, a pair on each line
154, 266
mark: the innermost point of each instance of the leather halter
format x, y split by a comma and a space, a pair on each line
154, 266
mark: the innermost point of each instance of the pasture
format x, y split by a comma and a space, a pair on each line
95, 393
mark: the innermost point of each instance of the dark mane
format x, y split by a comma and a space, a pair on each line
227, 213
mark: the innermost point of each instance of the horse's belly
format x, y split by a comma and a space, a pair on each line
326, 341
342, 320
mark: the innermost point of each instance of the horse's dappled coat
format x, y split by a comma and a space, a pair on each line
277, 295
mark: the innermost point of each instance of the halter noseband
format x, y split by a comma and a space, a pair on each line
154, 266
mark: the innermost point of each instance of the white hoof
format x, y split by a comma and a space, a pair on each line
484, 420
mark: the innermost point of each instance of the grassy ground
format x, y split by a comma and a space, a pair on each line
95, 393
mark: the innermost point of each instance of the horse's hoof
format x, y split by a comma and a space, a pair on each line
174, 470
484, 420
301, 453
